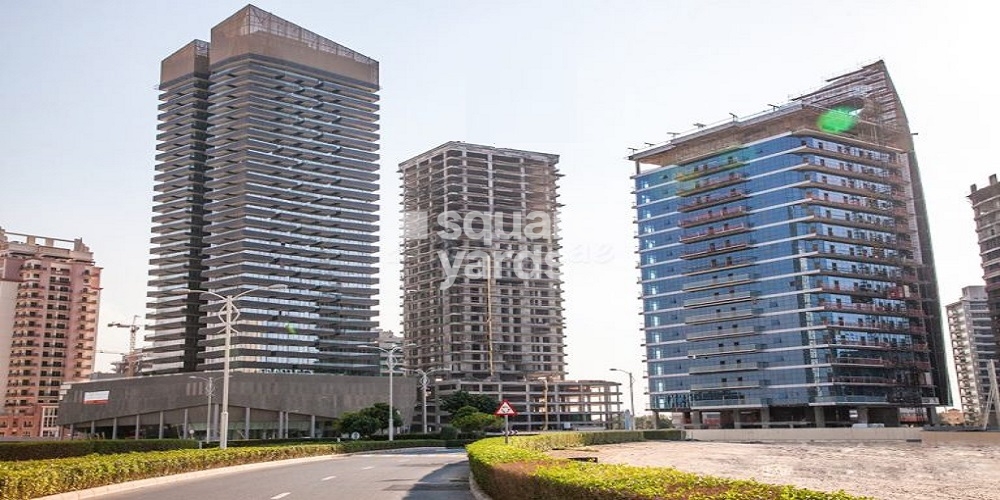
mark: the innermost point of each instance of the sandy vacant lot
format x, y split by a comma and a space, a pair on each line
896, 471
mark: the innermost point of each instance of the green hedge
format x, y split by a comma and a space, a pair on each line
42, 450
522, 470
663, 435
32, 479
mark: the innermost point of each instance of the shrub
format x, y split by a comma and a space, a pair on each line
663, 435
42, 450
522, 470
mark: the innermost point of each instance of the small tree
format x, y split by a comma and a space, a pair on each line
475, 421
360, 423
380, 412
454, 402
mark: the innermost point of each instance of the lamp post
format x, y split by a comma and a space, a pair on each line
631, 393
424, 380
390, 353
209, 388
229, 314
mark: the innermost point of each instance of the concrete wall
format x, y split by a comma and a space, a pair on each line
826, 434
961, 438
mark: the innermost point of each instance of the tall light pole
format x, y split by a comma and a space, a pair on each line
229, 314
631, 393
390, 353
424, 380
209, 388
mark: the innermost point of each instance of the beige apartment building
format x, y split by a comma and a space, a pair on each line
49, 293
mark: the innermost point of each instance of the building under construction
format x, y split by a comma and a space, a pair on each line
482, 291
973, 345
49, 291
786, 267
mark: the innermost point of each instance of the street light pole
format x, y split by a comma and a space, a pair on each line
390, 353
209, 388
424, 380
228, 314
631, 393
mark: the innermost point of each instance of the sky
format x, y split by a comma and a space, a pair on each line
584, 79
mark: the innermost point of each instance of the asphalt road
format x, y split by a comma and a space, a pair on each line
415, 474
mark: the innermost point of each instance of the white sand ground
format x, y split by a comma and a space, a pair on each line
886, 471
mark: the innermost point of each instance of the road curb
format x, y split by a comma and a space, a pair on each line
477, 492
153, 481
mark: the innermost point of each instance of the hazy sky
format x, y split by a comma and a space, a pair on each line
582, 79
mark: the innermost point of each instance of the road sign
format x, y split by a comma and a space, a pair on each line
505, 410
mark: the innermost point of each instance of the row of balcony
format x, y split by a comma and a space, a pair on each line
700, 187
714, 233
736, 279
710, 216
705, 169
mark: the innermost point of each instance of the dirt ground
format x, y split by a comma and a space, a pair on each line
886, 471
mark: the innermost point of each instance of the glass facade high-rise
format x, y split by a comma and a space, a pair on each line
267, 175
786, 268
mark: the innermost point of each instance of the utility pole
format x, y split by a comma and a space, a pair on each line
131, 359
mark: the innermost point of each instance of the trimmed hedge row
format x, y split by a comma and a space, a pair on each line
42, 450
32, 479
663, 435
522, 470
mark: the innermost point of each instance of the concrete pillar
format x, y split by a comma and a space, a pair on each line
281, 423
312, 426
246, 422
93, 428
71, 431
184, 426
765, 417
736, 420
136, 436
863, 415
820, 416
696, 419
114, 427
160, 433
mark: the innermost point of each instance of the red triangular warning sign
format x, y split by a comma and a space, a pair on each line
505, 410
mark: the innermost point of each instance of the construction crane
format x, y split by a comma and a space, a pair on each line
131, 363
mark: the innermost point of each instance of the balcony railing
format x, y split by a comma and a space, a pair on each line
736, 279
708, 201
720, 299
723, 403
703, 170
725, 213
718, 266
722, 351
731, 367
700, 187
877, 362
850, 399
724, 333
873, 309
863, 380
721, 316
713, 233
715, 250
733, 384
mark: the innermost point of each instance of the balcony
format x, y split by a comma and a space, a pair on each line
713, 233
734, 384
719, 266
862, 362
701, 187
695, 319
897, 292
734, 367
725, 213
862, 380
710, 201
871, 193
720, 299
723, 351
703, 170
867, 174
723, 333
858, 223
873, 309
849, 399
890, 260
714, 249
737, 279
708, 404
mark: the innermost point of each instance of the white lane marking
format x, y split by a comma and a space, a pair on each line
281, 495
369, 467
327, 478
